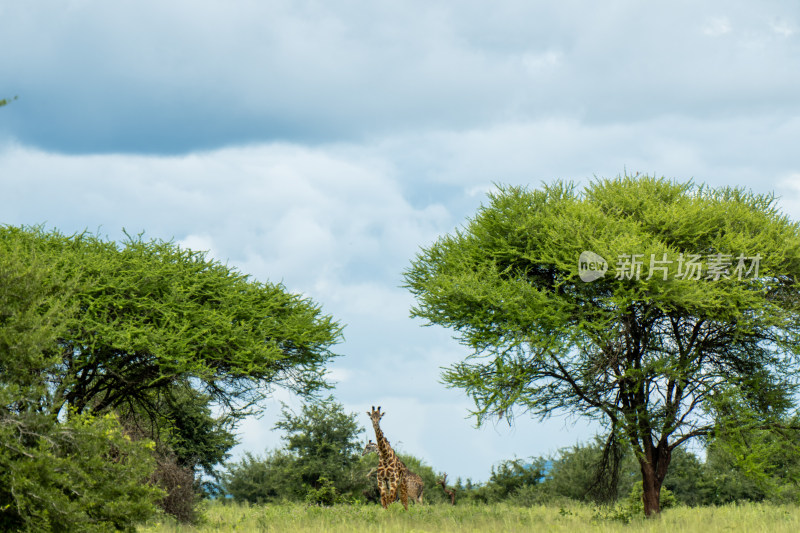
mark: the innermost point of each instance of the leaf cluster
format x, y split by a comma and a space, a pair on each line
81, 473
321, 442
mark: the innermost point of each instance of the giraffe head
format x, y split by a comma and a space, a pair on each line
376, 415
371, 447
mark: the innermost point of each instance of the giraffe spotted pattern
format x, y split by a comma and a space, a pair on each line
414, 481
394, 478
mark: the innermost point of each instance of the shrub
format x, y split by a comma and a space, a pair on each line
633, 505
80, 475
324, 495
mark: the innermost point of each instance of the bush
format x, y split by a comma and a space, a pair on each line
573, 473
530, 495
324, 495
633, 505
179, 484
80, 475
321, 443
257, 480
513, 479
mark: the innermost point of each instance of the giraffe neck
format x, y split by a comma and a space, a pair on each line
384, 450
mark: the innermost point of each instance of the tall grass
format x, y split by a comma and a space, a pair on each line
572, 518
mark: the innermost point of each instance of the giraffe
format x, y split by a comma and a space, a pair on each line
415, 484
392, 473
371, 447
451, 493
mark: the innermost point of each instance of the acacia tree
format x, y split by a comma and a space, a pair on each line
158, 334
700, 312
151, 316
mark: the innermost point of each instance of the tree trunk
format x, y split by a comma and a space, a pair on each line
651, 487
654, 471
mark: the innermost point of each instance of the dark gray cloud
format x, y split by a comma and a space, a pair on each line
174, 77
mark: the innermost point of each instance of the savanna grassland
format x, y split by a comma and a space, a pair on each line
217, 516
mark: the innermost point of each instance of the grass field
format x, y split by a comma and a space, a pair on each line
573, 518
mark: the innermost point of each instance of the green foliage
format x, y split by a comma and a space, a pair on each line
724, 482
158, 334
510, 476
574, 471
35, 304
147, 331
741, 465
515, 481
152, 315
632, 506
82, 473
6, 101
687, 478
256, 479
325, 494
645, 355
184, 427
322, 441
750, 463
571, 475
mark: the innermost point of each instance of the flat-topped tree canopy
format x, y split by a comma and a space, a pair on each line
150, 315
639, 301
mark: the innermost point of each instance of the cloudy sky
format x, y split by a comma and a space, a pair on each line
320, 144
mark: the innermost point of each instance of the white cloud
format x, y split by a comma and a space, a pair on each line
535, 61
717, 26
273, 210
788, 190
338, 375
480, 190
784, 28
199, 243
